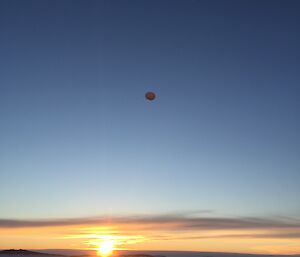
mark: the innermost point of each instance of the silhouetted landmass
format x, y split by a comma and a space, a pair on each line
26, 253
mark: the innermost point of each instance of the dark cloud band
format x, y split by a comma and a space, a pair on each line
169, 222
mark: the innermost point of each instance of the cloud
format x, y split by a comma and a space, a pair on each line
291, 235
161, 222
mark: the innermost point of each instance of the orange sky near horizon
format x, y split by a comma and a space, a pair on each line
133, 238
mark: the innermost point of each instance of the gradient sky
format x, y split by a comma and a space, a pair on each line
78, 139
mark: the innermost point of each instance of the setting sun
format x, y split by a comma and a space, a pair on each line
106, 247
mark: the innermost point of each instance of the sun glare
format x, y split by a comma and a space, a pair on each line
106, 247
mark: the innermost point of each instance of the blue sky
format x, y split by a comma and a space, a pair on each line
77, 137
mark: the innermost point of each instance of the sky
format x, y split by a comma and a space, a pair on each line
211, 164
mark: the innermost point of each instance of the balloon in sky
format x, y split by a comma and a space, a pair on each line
150, 96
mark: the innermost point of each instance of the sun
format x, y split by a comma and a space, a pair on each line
106, 247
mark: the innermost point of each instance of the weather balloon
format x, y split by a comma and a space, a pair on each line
150, 96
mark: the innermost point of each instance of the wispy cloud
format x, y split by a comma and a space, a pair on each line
169, 222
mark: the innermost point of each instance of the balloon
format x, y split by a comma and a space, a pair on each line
150, 96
